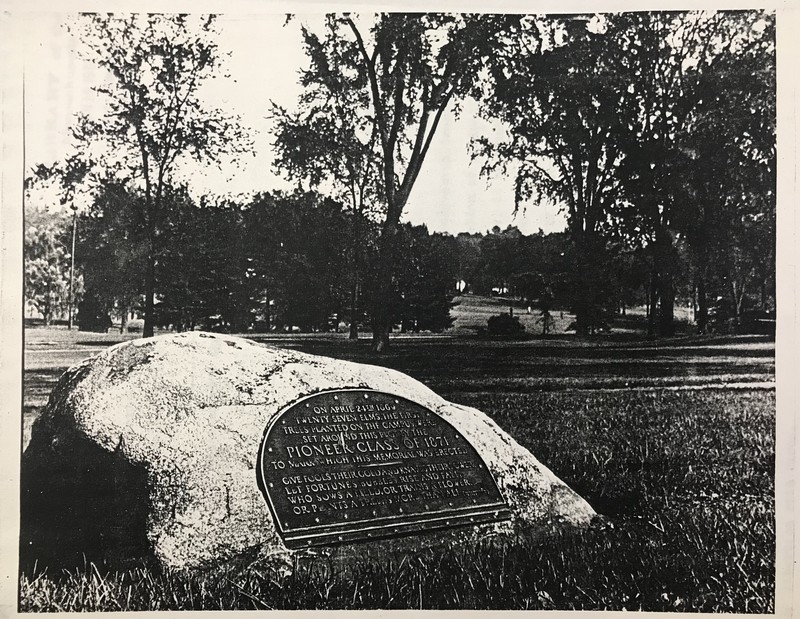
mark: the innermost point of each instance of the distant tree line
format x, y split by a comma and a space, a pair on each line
283, 262
276, 262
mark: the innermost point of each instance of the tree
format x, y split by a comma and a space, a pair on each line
409, 68
66, 175
313, 258
295, 251
555, 87
731, 173
687, 69
504, 260
154, 66
545, 305
425, 281
47, 262
112, 253
665, 53
468, 260
325, 143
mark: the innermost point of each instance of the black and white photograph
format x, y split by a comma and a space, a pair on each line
329, 307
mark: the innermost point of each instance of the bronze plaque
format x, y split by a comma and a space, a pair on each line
357, 464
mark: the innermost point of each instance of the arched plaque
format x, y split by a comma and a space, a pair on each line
356, 464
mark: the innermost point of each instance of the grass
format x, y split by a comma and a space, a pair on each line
684, 478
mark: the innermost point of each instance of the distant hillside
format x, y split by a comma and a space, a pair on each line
472, 312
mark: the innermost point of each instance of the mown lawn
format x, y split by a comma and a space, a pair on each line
684, 478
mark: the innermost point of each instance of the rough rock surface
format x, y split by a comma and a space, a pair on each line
153, 444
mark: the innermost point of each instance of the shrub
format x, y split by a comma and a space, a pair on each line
505, 324
135, 325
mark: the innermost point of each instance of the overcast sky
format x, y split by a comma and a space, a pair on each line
265, 57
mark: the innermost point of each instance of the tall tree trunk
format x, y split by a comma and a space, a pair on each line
664, 265
652, 287
582, 301
46, 314
355, 290
240, 319
72, 270
381, 303
149, 291
737, 293
666, 293
581, 317
354, 294
150, 270
702, 304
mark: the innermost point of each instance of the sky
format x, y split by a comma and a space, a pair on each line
265, 57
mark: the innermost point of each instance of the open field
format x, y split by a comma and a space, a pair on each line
673, 442
452, 365
471, 313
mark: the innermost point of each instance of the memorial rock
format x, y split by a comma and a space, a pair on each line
201, 449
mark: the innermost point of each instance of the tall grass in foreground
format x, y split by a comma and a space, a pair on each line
685, 480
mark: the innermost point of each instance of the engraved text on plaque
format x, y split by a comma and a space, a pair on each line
357, 464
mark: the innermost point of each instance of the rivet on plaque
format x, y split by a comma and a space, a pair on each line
336, 397
316, 519
401, 510
308, 405
366, 396
346, 516
271, 484
340, 538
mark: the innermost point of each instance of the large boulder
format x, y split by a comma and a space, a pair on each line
152, 447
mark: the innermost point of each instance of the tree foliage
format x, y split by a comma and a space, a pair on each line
655, 131
328, 142
47, 262
730, 180
112, 252
612, 116
402, 72
555, 87
154, 65
425, 281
